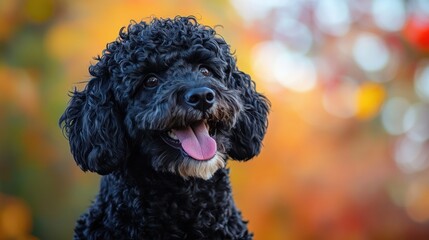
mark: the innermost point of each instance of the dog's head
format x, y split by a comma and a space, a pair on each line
168, 91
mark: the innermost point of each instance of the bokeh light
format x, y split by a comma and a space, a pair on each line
370, 52
418, 115
294, 34
341, 100
396, 117
389, 15
333, 16
410, 155
276, 63
422, 81
254, 9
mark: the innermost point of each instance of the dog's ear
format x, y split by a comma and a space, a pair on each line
91, 124
249, 130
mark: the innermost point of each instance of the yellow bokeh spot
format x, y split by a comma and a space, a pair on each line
62, 42
39, 11
369, 97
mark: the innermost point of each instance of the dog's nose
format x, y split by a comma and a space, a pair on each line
200, 98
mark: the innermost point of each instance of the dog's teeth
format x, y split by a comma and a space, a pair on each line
172, 135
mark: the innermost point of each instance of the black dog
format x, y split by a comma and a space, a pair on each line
164, 110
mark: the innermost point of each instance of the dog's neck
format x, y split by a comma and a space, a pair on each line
192, 206
171, 186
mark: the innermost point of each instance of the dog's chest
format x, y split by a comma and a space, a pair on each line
160, 210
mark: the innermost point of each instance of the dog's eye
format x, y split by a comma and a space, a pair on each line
151, 82
205, 71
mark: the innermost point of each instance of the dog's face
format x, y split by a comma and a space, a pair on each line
181, 115
169, 92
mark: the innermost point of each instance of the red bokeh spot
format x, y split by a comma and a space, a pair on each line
416, 32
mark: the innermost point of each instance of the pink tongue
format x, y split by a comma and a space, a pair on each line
196, 141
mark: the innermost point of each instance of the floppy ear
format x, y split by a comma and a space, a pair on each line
249, 130
96, 137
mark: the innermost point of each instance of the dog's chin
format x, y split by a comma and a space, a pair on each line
190, 167
187, 166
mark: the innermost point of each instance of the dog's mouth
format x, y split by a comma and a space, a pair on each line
194, 140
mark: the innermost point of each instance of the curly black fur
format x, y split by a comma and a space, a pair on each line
119, 126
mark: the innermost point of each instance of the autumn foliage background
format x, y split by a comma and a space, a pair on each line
346, 155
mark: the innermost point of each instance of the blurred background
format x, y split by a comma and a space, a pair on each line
346, 155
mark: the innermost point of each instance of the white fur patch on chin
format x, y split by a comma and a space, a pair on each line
201, 169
